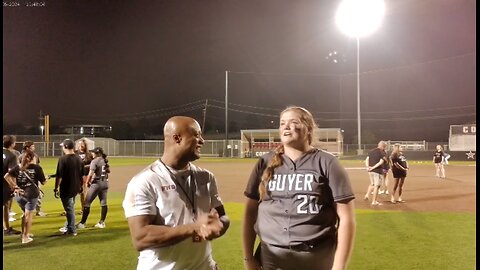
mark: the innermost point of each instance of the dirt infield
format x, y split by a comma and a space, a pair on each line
422, 190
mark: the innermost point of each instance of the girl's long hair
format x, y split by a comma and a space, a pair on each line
28, 157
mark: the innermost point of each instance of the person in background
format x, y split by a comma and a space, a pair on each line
86, 156
29, 145
374, 164
68, 183
28, 175
438, 160
10, 212
446, 157
299, 202
97, 182
173, 207
385, 168
10, 160
399, 170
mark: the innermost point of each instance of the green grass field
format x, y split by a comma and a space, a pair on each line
384, 239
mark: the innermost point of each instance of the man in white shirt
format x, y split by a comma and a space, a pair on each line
173, 207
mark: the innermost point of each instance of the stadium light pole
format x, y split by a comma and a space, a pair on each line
226, 112
42, 127
358, 19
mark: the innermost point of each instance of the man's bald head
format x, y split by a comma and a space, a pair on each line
178, 125
183, 141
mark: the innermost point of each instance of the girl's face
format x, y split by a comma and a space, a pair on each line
81, 146
292, 129
439, 148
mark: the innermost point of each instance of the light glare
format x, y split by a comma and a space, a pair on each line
359, 18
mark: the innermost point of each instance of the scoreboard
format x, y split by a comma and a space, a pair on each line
462, 137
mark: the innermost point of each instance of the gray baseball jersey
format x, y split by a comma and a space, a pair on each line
300, 202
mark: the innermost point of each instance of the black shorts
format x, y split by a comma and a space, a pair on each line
399, 173
7, 196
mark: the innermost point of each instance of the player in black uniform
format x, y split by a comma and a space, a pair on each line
29, 145
28, 176
299, 202
83, 152
399, 170
97, 182
438, 160
10, 160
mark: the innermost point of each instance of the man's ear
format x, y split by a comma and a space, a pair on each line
177, 138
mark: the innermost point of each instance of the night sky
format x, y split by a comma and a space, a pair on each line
97, 62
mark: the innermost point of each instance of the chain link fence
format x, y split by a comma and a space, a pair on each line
211, 148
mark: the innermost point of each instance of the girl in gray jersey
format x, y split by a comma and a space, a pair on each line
97, 182
299, 203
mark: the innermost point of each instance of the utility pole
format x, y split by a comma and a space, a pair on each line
47, 133
226, 112
204, 115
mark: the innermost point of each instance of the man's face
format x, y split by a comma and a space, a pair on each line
192, 141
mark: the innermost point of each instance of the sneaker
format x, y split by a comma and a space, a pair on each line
11, 214
365, 198
393, 200
400, 200
69, 234
63, 229
40, 214
386, 192
376, 203
11, 231
27, 240
381, 191
80, 226
100, 225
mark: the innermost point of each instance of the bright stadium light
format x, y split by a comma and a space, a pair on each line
359, 18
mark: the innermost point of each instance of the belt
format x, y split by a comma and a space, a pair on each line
305, 246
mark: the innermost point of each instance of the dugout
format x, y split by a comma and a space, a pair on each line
257, 142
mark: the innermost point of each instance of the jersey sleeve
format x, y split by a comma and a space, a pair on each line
139, 199
215, 198
59, 171
339, 182
93, 165
15, 171
251, 191
40, 175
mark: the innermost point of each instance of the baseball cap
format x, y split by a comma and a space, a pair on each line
68, 144
97, 150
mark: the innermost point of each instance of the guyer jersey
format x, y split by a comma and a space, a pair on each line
154, 192
300, 202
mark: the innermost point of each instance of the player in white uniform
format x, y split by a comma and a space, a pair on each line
173, 207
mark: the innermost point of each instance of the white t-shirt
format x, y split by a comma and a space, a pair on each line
154, 192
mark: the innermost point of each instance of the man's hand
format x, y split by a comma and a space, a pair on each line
210, 226
56, 193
